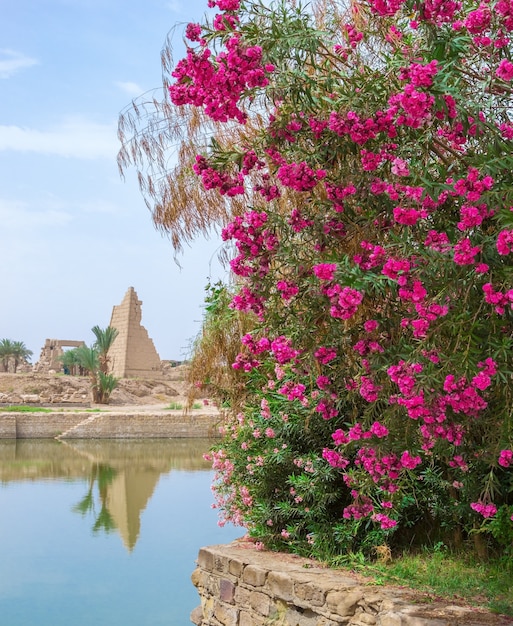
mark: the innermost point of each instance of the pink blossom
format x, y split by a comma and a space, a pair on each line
437, 241
400, 167
384, 521
505, 242
339, 437
299, 176
325, 271
325, 355
287, 289
334, 458
193, 32
419, 75
370, 325
408, 216
408, 461
506, 458
505, 70
464, 252
379, 430
282, 349
486, 510
479, 20
368, 389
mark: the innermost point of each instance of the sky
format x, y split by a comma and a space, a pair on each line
74, 236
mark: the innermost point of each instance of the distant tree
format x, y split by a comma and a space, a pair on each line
104, 340
6, 346
70, 362
102, 384
13, 352
20, 353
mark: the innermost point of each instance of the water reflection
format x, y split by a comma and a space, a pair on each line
121, 476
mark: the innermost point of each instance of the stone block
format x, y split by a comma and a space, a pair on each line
242, 596
281, 585
260, 602
249, 619
236, 568
206, 560
221, 564
225, 614
308, 593
197, 616
254, 576
344, 603
226, 591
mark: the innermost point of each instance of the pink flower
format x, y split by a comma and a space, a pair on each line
486, 510
325, 271
334, 458
464, 252
370, 325
505, 70
325, 355
384, 521
379, 430
506, 458
408, 461
505, 242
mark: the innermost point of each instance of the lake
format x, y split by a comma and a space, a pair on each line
103, 532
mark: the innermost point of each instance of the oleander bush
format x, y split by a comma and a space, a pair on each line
358, 157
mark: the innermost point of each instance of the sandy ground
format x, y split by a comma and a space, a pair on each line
158, 393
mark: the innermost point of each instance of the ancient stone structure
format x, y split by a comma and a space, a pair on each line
51, 352
241, 586
109, 424
132, 354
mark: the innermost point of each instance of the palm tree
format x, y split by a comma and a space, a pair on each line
104, 340
19, 353
88, 359
70, 362
6, 349
102, 384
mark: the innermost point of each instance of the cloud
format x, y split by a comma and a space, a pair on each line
73, 138
17, 216
132, 89
12, 62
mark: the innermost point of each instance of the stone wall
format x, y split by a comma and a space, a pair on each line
132, 353
51, 352
106, 425
241, 586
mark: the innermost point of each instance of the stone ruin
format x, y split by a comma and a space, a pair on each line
49, 359
132, 354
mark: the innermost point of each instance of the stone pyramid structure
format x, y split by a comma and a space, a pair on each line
132, 354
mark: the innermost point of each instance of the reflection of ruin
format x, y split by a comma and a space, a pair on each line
132, 354
136, 467
127, 497
51, 353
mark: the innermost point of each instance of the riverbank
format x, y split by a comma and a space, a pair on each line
106, 422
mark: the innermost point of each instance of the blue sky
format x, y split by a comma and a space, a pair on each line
75, 236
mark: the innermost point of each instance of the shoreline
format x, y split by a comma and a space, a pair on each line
110, 422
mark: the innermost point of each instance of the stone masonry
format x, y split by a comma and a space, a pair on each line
49, 359
132, 354
239, 585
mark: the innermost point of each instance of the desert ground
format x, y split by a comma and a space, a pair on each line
60, 389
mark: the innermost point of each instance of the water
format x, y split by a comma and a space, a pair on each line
103, 532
